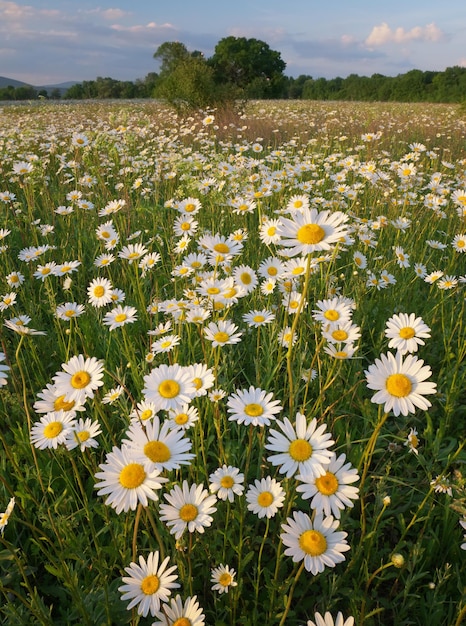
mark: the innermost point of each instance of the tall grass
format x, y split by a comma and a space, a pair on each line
63, 549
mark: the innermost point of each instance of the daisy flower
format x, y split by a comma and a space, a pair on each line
222, 333
169, 386
184, 417
301, 448
332, 491
7, 300
50, 400
412, 441
223, 577
125, 482
285, 337
52, 429
202, 378
165, 344
15, 279
459, 243
401, 257
343, 353
157, 446
265, 497
83, 434
4, 517
268, 232
99, 292
258, 318
400, 385
342, 333
327, 620
120, 316
252, 406
69, 310
189, 507
216, 395
310, 231
178, 613
3, 370
317, 542
246, 277
132, 252
148, 584
406, 332
332, 310
360, 260
143, 411
112, 395
226, 482
79, 379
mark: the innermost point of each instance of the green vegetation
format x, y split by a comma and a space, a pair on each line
178, 293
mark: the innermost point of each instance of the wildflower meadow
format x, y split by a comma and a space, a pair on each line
232, 366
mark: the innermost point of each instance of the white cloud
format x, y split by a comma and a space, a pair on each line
383, 34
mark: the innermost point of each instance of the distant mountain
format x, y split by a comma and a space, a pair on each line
5, 82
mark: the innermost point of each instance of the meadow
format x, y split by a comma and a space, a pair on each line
232, 367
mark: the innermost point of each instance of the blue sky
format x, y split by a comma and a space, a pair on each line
51, 41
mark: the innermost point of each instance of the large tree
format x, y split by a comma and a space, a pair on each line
250, 65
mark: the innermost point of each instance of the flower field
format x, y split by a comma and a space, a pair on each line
232, 365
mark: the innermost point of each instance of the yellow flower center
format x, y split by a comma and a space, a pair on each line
145, 415
227, 482
265, 499
271, 231
272, 271
133, 255
185, 226
300, 450
181, 419
221, 337
60, 404
188, 512
99, 291
189, 208
327, 484
165, 344
132, 476
70, 313
225, 579
157, 451
245, 278
258, 318
150, 585
212, 291
253, 409
79, 380
398, 385
312, 542
407, 332
53, 429
182, 621
121, 317
332, 315
222, 248
105, 234
340, 335
83, 435
310, 234
169, 389
297, 271
197, 382
297, 204
460, 243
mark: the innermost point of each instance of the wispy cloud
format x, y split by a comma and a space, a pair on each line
383, 34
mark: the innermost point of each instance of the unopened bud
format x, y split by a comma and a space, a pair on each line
398, 560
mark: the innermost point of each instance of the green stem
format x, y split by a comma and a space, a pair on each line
290, 595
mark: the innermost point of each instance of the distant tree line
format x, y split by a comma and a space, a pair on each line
242, 68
